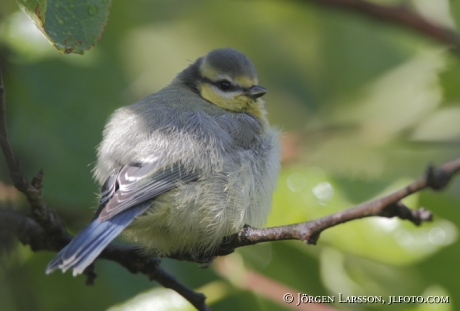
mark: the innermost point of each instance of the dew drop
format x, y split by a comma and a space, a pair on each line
437, 236
323, 191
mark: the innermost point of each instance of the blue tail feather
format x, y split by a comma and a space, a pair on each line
91, 241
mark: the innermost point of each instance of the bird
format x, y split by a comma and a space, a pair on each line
185, 167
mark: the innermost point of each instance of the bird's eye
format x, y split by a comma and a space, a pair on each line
225, 85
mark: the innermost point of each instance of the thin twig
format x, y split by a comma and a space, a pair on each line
398, 15
31, 233
387, 206
130, 258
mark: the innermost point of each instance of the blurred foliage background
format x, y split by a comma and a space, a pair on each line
365, 107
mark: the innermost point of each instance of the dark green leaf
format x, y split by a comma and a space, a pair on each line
71, 26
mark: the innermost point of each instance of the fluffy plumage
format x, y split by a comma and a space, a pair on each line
179, 170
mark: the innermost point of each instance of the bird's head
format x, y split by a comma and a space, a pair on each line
228, 79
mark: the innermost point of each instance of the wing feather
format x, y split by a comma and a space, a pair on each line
137, 183
124, 196
91, 241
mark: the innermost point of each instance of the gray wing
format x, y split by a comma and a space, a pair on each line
137, 183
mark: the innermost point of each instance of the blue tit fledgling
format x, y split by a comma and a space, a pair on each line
184, 167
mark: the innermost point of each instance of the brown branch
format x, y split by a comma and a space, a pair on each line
29, 232
387, 206
130, 258
398, 15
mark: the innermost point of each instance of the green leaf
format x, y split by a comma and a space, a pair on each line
70, 26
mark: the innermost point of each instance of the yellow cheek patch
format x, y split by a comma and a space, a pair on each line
233, 104
238, 103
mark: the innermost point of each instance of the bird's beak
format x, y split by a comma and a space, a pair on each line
256, 91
